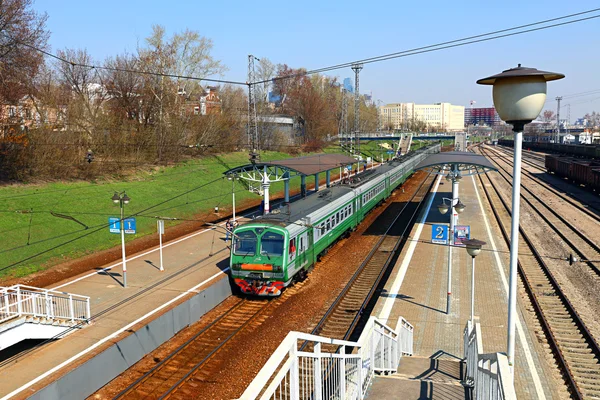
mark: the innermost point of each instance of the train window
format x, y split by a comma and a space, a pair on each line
337, 218
271, 244
328, 225
244, 243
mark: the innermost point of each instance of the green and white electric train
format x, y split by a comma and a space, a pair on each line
272, 251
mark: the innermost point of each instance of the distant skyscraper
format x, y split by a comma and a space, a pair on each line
348, 85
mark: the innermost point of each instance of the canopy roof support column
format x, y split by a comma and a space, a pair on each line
328, 178
303, 185
286, 190
265, 186
316, 182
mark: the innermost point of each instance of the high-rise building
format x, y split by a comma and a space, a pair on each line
482, 116
442, 116
348, 85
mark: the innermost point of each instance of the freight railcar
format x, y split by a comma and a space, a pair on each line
591, 151
581, 171
270, 252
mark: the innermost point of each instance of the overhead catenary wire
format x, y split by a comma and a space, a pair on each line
115, 69
447, 45
498, 34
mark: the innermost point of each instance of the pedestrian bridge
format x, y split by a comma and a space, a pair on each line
28, 312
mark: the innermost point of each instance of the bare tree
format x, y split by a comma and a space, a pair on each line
21, 28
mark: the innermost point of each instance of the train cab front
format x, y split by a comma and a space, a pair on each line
257, 259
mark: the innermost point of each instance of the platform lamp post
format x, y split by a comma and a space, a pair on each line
473, 248
519, 95
456, 208
122, 199
233, 178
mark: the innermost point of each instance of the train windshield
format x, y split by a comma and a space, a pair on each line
271, 244
244, 243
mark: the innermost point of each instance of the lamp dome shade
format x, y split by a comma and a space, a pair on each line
519, 99
520, 93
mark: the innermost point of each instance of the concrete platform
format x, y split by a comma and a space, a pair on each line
417, 291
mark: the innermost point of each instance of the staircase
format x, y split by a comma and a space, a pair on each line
28, 312
405, 143
421, 378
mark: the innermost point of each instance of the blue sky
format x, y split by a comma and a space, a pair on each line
314, 34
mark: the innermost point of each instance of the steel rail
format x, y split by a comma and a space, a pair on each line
552, 225
553, 188
553, 340
156, 368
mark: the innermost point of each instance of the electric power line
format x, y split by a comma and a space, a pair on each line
449, 44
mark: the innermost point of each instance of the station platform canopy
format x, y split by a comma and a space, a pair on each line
306, 165
465, 162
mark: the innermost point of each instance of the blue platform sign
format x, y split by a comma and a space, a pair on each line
129, 225
114, 225
439, 234
390, 151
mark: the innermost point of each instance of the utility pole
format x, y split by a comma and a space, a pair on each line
253, 142
568, 117
558, 99
357, 68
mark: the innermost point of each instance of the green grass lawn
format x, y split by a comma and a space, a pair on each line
32, 238
25, 234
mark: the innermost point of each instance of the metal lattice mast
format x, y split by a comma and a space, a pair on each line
253, 142
344, 140
357, 68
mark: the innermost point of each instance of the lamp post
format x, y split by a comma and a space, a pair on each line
122, 199
233, 178
473, 248
456, 208
519, 95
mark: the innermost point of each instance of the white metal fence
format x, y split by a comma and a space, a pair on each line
329, 368
21, 300
488, 374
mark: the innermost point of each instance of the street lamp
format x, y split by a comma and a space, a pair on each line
122, 199
456, 208
473, 248
233, 178
519, 95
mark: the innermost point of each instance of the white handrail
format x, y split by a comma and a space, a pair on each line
345, 372
22, 300
489, 374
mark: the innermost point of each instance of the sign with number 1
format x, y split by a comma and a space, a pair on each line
439, 234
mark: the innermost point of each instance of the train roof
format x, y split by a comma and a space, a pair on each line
299, 209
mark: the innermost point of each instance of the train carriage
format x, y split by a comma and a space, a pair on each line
272, 251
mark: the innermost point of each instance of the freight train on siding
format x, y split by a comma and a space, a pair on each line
576, 150
272, 251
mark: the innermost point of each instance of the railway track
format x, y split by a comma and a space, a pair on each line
555, 190
580, 245
576, 351
344, 315
168, 378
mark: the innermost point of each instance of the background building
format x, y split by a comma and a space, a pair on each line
439, 116
482, 116
348, 85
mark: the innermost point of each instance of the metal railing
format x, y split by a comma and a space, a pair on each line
489, 375
344, 371
50, 305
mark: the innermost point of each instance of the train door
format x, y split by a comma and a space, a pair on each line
302, 249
